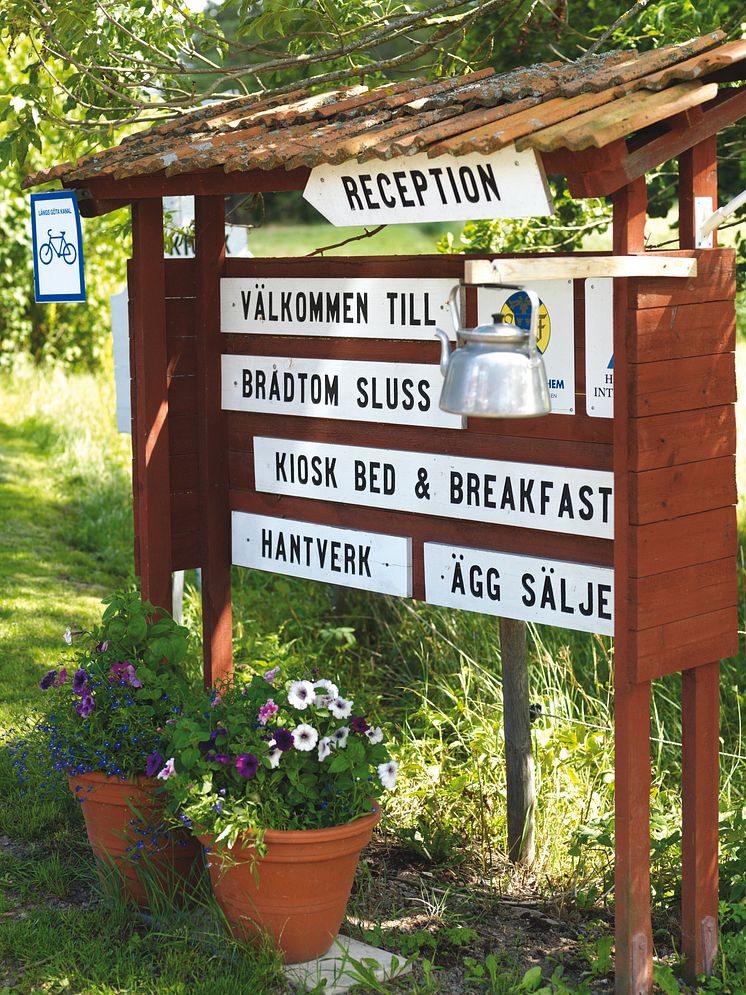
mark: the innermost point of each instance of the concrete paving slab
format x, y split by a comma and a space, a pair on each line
343, 966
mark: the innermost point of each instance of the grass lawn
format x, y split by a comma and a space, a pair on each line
436, 885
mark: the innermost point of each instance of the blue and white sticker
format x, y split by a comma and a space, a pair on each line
555, 332
57, 247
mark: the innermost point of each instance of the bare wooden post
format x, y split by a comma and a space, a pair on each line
217, 615
700, 687
150, 403
634, 935
519, 758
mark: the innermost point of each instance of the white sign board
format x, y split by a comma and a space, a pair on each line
504, 184
377, 308
599, 347
57, 247
370, 561
119, 309
526, 495
556, 331
393, 393
533, 589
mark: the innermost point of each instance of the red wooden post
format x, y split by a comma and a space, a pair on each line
699, 874
213, 445
698, 177
634, 940
150, 403
700, 699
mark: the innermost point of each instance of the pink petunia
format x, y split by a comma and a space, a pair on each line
267, 711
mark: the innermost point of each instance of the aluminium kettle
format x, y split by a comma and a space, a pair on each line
496, 371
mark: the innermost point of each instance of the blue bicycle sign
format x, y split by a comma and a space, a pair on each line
57, 245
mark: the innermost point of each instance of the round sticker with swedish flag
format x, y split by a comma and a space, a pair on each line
517, 311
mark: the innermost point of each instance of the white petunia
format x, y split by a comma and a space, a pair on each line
340, 737
67, 635
274, 755
375, 735
301, 694
305, 737
325, 748
331, 690
387, 774
341, 708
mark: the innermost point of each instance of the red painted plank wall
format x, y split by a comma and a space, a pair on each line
681, 462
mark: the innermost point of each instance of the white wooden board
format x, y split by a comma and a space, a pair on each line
392, 393
378, 308
504, 184
533, 589
526, 495
552, 267
599, 347
556, 332
370, 561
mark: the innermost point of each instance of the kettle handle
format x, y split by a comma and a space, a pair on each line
453, 305
533, 338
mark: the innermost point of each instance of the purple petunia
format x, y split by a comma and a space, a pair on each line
217, 758
47, 680
61, 677
218, 732
283, 739
102, 647
125, 672
247, 765
80, 678
358, 724
271, 674
153, 764
85, 706
267, 711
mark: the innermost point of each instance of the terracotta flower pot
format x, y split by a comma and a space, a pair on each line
299, 892
123, 821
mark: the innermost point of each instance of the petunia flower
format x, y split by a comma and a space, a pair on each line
325, 748
267, 711
340, 737
271, 674
218, 758
274, 755
301, 694
69, 634
358, 724
341, 708
125, 672
283, 739
305, 737
332, 691
61, 677
47, 680
247, 765
387, 774
375, 735
85, 706
168, 770
103, 646
153, 764
80, 678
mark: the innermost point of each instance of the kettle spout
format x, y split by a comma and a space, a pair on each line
445, 350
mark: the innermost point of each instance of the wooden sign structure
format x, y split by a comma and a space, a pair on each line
298, 398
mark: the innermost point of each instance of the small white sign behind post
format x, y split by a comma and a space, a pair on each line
57, 247
370, 561
599, 347
393, 393
556, 331
529, 588
376, 307
526, 495
504, 184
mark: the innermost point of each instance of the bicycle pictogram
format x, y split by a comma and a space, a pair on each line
57, 246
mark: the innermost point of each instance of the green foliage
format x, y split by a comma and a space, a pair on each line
106, 707
565, 230
274, 753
